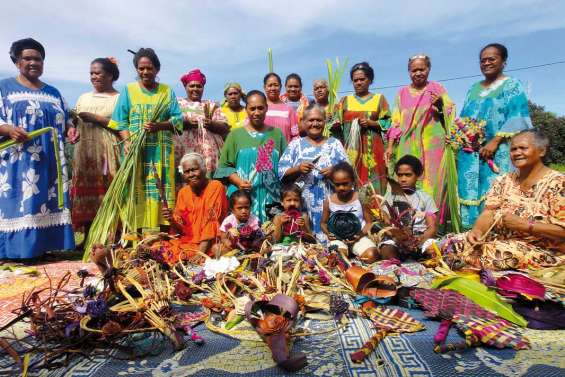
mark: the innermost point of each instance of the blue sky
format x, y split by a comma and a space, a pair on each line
228, 40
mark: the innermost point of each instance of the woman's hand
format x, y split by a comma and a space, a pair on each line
325, 172
474, 236
389, 152
306, 167
364, 122
487, 152
300, 222
18, 134
167, 214
331, 236
513, 222
151, 127
73, 135
244, 185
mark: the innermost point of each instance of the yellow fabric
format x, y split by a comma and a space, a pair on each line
235, 119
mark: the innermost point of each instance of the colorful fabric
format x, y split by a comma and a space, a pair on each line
365, 150
298, 106
199, 139
235, 119
133, 110
392, 319
505, 249
201, 215
496, 332
232, 222
96, 158
31, 221
239, 155
194, 75
504, 107
445, 303
315, 187
422, 134
283, 117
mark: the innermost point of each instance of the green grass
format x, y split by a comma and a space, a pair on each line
558, 167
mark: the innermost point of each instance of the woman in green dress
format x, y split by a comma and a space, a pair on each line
250, 156
133, 113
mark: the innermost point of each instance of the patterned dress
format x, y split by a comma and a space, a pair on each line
199, 139
419, 131
315, 188
364, 146
96, 158
283, 117
31, 221
240, 154
504, 107
133, 110
506, 249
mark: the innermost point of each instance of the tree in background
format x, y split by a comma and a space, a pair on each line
553, 127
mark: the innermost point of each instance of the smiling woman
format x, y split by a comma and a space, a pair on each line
523, 224
31, 221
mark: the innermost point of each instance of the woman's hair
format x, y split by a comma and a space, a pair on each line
148, 53
239, 194
424, 57
295, 76
269, 75
365, 67
411, 161
291, 188
502, 50
345, 167
311, 107
108, 66
189, 157
25, 44
320, 81
540, 140
255, 92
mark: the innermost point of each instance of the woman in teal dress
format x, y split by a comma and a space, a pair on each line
501, 102
250, 156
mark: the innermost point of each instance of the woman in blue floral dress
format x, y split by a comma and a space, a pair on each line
31, 220
308, 162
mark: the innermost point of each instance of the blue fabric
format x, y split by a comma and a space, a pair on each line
315, 188
31, 221
504, 107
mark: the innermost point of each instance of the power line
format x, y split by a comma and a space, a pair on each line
464, 77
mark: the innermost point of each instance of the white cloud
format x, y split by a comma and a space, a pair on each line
189, 32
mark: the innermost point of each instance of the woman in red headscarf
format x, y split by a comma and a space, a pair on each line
205, 126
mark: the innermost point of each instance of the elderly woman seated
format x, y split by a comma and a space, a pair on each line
200, 208
523, 224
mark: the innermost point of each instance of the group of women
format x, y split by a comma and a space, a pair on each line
273, 137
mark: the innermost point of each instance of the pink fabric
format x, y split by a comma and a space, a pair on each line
194, 75
231, 222
283, 117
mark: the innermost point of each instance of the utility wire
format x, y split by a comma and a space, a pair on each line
464, 77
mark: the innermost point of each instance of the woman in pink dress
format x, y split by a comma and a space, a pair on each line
279, 114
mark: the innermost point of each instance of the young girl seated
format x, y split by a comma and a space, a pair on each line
345, 203
241, 229
414, 214
290, 225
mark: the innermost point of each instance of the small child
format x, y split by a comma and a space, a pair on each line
241, 229
289, 224
417, 212
346, 199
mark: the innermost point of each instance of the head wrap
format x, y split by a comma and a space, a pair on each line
24, 44
233, 85
194, 75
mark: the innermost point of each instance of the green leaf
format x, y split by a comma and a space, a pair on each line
481, 295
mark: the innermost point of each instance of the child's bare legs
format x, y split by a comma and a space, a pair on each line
370, 255
388, 252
